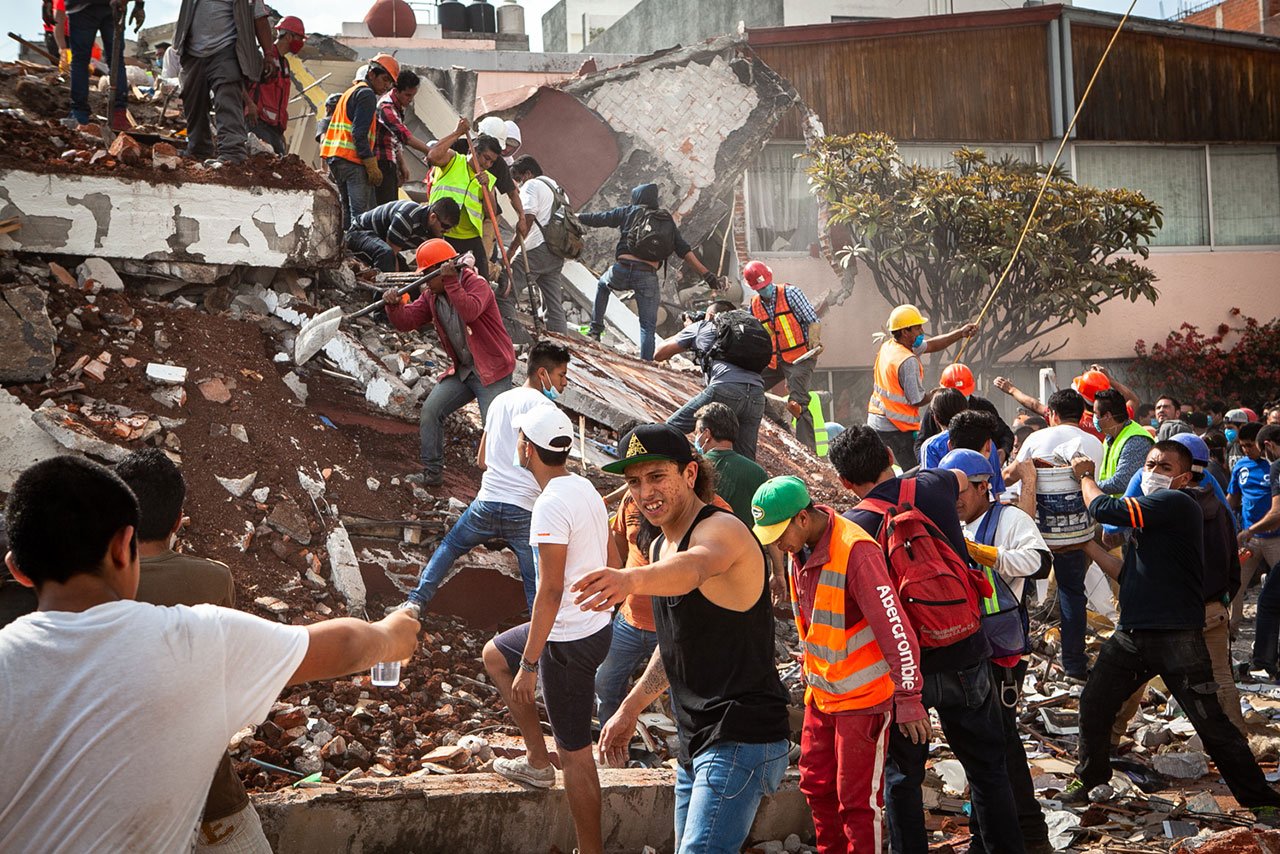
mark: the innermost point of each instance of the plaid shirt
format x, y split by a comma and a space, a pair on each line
391, 130
798, 302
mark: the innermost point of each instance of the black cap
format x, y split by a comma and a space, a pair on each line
652, 442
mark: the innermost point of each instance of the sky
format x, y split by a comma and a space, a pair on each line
326, 16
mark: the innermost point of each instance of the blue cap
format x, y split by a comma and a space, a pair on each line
973, 464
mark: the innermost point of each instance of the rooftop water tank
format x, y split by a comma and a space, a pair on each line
481, 17
511, 18
391, 19
453, 16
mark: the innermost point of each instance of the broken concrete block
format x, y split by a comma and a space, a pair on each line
164, 156
373, 483
166, 373
60, 273
1203, 802
126, 149
344, 570
261, 494
28, 333
313, 487
214, 390
98, 270
170, 397
238, 432
297, 386
237, 486
1181, 766
24, 443
288, 519
97, 369
272, 604
69, 432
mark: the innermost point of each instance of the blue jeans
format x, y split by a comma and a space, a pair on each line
629, 648
450, 395
84, 27
631, 276
1069, 569
354, 188
716, 799
480, 522
971, 720
746, 401
1266, 639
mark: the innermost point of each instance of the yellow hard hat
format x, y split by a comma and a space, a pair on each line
905, 316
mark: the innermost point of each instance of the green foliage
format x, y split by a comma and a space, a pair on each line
940, 238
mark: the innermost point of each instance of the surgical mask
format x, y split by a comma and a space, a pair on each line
768, 291
1209, 420
697, 445
917, 342
296, 45
1230, 434
1155, 423
1154, 481
551, 392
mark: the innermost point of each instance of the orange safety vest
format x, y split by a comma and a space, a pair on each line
339, 139
843, 666
887, 396
788, 335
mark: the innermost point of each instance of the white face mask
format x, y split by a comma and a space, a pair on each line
1154, 481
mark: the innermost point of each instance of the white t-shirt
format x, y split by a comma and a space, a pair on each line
117, 716
1066, 439
503, 481
570, 511
537, 199
1020, 543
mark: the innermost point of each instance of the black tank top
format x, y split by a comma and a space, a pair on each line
719, 662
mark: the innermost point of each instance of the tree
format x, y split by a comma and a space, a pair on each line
1193, 366
940, 238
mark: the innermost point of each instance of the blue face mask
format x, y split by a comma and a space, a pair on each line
767, 291
697, 445
1155, 423
1096, 425
551, 392
917, 342
1209, 420
1231, 434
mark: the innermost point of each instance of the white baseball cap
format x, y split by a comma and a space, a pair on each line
547, 427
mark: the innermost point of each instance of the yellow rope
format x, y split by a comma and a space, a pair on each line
1044, 185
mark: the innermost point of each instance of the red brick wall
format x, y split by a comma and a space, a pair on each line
1240, 15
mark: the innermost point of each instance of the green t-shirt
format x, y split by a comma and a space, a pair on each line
738, 478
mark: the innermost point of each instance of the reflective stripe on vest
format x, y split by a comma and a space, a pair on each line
887, 396
788, 336
820, 444
843, 665
459, 183
339, 139
1111, 453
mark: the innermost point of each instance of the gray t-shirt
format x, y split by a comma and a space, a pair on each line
213, 25
457, 332
701, 337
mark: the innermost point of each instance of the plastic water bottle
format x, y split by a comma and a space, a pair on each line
385, 674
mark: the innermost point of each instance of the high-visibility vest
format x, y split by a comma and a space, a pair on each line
887, 396
819, 425
456, 181
339, 139
843, 666
1114, 445
788, 336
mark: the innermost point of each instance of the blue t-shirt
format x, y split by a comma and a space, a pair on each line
935, 448
1251, 480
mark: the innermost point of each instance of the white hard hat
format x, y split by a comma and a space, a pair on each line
513, 133
494, 127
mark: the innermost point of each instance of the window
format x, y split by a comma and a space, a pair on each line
782, 213
938, 154
1246, 194
1173, 178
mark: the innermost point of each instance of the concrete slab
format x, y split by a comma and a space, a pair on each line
99, 215
484, 812
24, 442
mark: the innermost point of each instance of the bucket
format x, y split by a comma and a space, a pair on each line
1061, 515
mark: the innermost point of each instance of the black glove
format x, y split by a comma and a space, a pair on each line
712, 280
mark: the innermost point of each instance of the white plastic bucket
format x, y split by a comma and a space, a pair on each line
1061, 514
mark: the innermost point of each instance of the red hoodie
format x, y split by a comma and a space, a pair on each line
487, 339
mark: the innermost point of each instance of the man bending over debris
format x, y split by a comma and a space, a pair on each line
377, 237
507, 493
1160, 630
134, 703
714, 616
562, 645
464, 311
169, 578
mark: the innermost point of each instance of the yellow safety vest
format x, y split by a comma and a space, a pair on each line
339, 137
456, 181
788, 336
888, 397
819, 425
1114, 445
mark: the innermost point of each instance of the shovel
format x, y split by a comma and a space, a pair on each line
319, 330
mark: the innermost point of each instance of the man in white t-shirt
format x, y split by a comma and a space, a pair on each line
119, 711
537, 195
502, 506
561, 647
1058, 443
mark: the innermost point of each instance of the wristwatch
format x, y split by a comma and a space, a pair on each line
528, 667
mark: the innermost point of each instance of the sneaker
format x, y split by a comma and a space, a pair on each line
425, 479
70, 123
521, 771
120, 120
1270, 816
1074, 793
408, 605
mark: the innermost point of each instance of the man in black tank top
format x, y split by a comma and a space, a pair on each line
714, 620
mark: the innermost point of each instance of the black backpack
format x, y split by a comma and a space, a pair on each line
563, 232
652, 235
741, 340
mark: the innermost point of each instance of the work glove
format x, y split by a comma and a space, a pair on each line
371, 169
64, 62
712, 280
985, 555
815, 336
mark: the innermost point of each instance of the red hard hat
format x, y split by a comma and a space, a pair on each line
433, 252
757, 274
1253, 416
292, 24
1090, 383
959, 377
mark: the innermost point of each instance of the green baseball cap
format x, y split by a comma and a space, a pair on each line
775, 503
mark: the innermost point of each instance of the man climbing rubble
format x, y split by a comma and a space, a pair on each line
267, 106
378, 236
348, 143
502, 507
105, 671
714, 616
466, 179
461, 306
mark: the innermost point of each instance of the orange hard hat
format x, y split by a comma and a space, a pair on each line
959, 377
388, 63
432, 252
292, 24
1090, 383
757, 274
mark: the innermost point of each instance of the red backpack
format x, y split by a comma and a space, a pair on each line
938, 591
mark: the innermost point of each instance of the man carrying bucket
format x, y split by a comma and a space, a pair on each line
1061, 514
